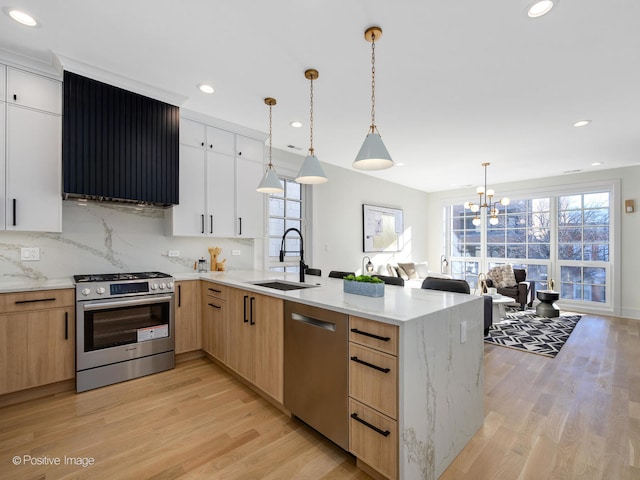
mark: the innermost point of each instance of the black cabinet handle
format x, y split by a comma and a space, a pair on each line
384, 433
202, 144
15, 220
211, 145
244, 314
214, 306
15, 97
240, 218
179, 295
210, 223
377, 337
18, 302
202, 223
66, 325
251, 303
371, 365
214, 290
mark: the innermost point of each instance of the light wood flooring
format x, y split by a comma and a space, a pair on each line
573, 417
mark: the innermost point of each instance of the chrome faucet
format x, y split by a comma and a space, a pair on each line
283, 251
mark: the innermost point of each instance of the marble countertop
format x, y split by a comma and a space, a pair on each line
397, 306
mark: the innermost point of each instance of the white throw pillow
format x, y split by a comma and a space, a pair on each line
391, 270
409, 269
422, 269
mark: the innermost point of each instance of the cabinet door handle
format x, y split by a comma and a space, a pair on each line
15, 220
214, 306
377, 337
240, 232
66, 325
202, 223
370, 365
214, 290
15, 97
18, 302
211, 145
179, 295
244, 314
210, 223
251, 303
202, 144
384, 433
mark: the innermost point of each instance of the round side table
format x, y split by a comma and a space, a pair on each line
546, 307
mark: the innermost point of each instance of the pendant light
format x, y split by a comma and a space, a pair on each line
270, 182
373, 155
311, 171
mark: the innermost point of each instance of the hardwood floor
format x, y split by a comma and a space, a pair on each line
573, 417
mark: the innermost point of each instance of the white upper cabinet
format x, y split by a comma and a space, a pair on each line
3, 83
33, 91
31, 152
220, 141
250, 149
219, 173
33, 171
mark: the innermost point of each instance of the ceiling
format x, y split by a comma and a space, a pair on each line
458, 82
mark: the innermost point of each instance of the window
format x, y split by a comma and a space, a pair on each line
566, 237
583, 245
286, 211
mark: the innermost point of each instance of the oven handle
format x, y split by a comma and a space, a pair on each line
126, 303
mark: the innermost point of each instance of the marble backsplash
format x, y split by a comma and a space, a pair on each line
108, 238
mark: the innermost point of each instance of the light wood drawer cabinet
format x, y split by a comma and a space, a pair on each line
215, 320
36, 300
215, 290
373, 394
377, 335
37, 338
373, 379
188, 331
374, 439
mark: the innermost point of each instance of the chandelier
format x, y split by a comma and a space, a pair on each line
486, 201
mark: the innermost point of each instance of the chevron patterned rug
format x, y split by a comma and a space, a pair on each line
529, 332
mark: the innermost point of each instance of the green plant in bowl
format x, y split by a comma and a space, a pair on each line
363, 278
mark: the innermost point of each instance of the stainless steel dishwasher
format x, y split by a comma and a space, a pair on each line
316, 369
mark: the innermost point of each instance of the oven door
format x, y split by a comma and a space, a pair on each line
116, 330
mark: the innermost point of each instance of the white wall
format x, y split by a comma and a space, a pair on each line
338, 219
627, 226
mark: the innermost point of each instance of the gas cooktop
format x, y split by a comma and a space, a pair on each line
118, 277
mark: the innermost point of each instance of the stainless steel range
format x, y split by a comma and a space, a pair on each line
125, 327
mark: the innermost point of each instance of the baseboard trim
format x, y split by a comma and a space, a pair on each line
34, 393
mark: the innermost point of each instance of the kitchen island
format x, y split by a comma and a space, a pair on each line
440, 359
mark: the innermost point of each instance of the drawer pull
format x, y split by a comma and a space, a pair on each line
18, 302
214, 290
214, 306
384, 433
367, 334
371, 365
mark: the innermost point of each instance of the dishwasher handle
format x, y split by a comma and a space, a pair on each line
314, 322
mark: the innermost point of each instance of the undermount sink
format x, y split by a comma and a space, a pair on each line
280, 285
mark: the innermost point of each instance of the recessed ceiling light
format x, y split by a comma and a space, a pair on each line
206, 88
582, 123
595, 164
540, 8
296, 124
21, 17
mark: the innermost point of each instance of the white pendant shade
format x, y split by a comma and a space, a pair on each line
270, 182
311, 171
373, 155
